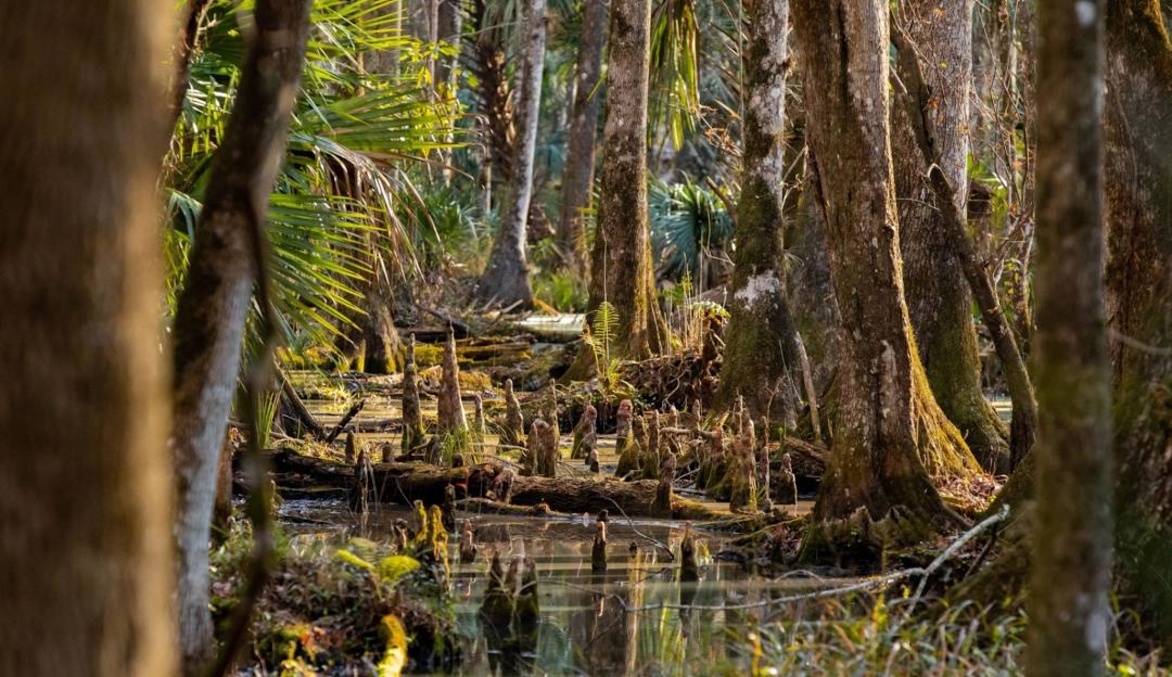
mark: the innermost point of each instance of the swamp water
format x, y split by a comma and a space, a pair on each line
637, 618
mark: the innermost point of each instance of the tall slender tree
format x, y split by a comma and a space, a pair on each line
85, 493
1068, 606
578, 179
890, 434
209, 322
621, 271
763, 347
505, 281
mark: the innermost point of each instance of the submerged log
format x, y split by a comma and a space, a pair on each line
406, 482
353, 411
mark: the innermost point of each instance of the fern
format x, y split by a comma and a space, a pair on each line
605, 329
601, 339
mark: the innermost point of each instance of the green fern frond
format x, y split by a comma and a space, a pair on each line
605, 329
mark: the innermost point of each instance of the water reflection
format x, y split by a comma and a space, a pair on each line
646, 614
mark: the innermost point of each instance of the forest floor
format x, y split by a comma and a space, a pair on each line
747, 607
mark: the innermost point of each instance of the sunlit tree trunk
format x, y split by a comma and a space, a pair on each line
85, 492
505, 281
938, 297
1068, 607
1138, 207
209, 322
578, 179
889, 433
761, 342
621, 270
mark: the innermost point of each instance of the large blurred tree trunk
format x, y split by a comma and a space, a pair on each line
1070, 616
890, 434
505, 281
938, 298
578, 179
621, 270
1139, 299
762, 349
85, 493
209, 322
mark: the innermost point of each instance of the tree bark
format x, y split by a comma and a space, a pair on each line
85, 497
488, 63
938, 298
1138, 210
1070, 615
762, 359
578, 178
209, 323
890, 433
621, 271
505, 281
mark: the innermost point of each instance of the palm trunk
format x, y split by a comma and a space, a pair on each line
578, 179
488, 64
209, 323
505, 281
86, 501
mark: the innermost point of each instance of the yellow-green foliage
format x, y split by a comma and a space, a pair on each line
395, 658
387, 573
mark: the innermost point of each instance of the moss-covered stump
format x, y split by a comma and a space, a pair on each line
585, 434
412, 414
513, 427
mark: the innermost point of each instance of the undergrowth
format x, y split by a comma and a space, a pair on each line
334, 610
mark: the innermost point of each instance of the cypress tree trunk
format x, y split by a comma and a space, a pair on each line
209, 322
578, 179
1068, 607
85, 501
890, 433
1138, 209
938, 297
761, 349
505, 281
621, 270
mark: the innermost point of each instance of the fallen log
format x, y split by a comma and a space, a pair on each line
404, 483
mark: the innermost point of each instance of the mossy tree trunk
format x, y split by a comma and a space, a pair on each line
1138, 208
890, 433
1070, 615
505, 281
621, 270
938, 298
85, 553
761, 351
209, 322
578, 179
